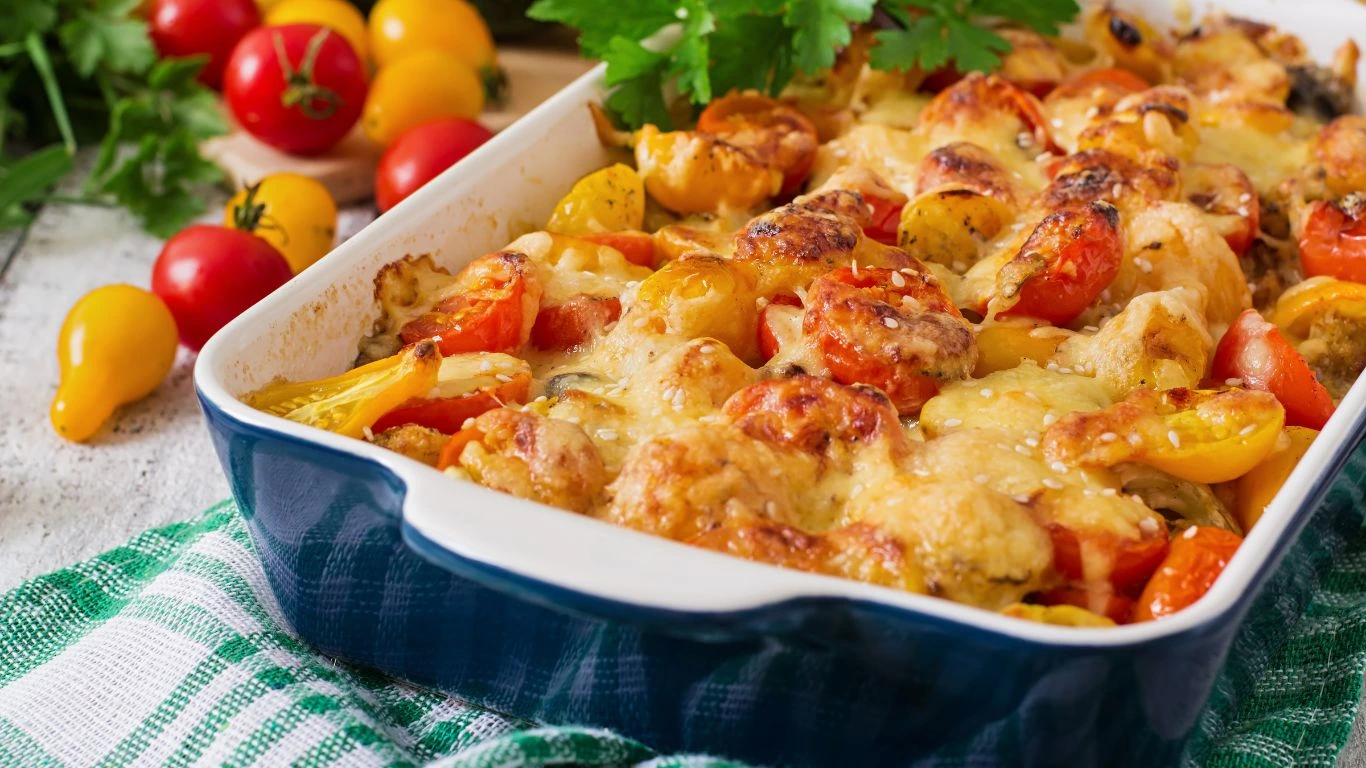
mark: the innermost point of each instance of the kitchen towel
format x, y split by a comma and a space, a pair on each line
171, 650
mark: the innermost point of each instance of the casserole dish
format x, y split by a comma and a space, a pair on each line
382, 561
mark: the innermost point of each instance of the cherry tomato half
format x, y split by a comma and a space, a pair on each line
421, 154
302, 102
208, 275
1064, 265
1130, 561
1196, 559
1256, 352
1333, 241
490, 308
637, 247
885, 220
208, 27
574, 323
466, 390
775, 132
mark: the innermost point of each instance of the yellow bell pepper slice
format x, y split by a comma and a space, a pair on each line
352, 402
1299, 306
1260, 485
1058, 615
607, 200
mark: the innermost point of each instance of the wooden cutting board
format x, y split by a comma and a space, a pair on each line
348, 170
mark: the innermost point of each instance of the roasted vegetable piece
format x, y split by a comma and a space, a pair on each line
1226, 193
1196, 559
1004, 343
950, 225
1089, 555
1199, 435
776, 133
1062, 615
608, 200
574, 323
816, 415
989, 97
893, 329
637, 247
1069, 259
1333, 239
490, 307
466, 386
1129, 42
1256, 354
351, 403
1260, 485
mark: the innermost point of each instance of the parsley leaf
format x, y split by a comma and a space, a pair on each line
822, 28
921, 44
1043, 16
973, 48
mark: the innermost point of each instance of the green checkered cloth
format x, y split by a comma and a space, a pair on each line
171, 650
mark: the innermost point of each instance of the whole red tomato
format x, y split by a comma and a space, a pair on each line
302, 102
207, 275
419, 155
212, 27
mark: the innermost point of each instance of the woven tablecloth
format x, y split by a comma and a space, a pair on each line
171, 650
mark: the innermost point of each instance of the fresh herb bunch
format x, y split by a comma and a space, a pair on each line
84, 72
704, 48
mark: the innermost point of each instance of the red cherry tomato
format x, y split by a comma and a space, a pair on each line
1120, 81
487, 309
448, 414
1064, 265
1196, 559
885, 220
1333, 242
776, 133
1131, 561
208, 275
637, 247
574, 323
302, 102
1257, 352
422, 153
202, 27
780, 323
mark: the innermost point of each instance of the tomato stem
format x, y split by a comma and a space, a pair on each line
301, 91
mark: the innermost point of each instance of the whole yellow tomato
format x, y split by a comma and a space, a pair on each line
117, 344
400, 27
417, 88
292, 212
337, 15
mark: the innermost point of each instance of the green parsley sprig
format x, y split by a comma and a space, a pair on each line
705, 48
84, 72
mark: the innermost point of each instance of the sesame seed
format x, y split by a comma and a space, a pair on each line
890, 322
1116, 190
1173, 438
1233, 381
1109, 492
898, 280
502, 377
1134, 438
951, 423
1032, 396
706, 349
639, 322
1148, 526
1108, 437
485, 365
632, 283
854, 268
369, 433
1049, 419
1090, 328
1032, 442
1023, 450
906, 271
1056, 122
1190, 532
1067, 371
1051, 366
1051, 483
1021, 498
467, 423
540, 399
770, 508
986, 392
1245, 197
1144, 265
607, 434
1087, 492
1058, 467
920, 472
960, 266
1042, 157
437, 339
980, 478
761, 302
1092, 112
1249, 429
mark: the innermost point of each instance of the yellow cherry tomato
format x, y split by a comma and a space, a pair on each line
351, 403
1298, 307
337, 15
292, 212
400, 27
117, 344
1260, 485
418, 88
1004, 343
609, 200
1213, 437
701, 296
695, 172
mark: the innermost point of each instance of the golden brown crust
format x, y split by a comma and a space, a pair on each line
536, 458
417, 443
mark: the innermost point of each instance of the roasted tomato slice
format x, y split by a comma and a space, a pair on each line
1108, 78
489, 308
977, 96
1256, 352
1226, 193
894, 329
466, 386
1333, 240
885, 219
773, 131
1128, 562
637, 247
1071, 256
1196, 559
812, 413
574, 323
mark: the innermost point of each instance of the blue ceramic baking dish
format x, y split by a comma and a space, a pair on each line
558, 618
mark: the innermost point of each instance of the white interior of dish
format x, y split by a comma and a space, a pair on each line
311, 326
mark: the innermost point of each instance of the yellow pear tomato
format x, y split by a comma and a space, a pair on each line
1298, 308
1260, 485
400, 27
351, 403
417, 88
337, 15
1214, 437
292, 212
117, 344
608, 200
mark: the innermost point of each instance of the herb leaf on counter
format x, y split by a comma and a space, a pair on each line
698, 49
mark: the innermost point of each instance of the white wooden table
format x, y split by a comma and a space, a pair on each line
153, 464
